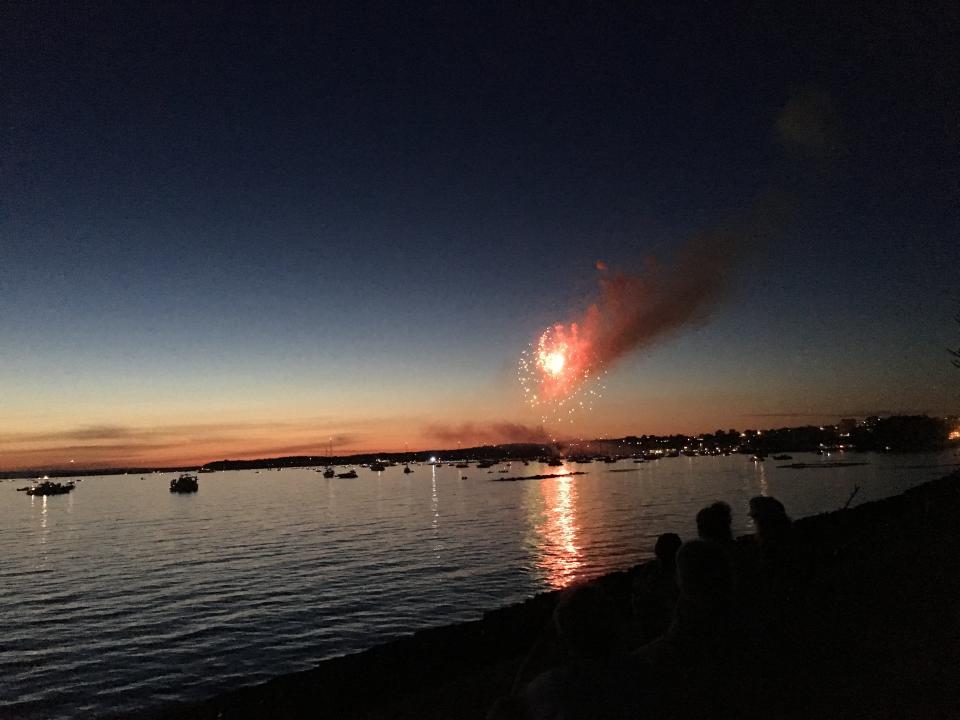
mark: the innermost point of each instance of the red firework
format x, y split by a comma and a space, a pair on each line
556, 371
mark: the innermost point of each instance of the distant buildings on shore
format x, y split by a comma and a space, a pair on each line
897, 433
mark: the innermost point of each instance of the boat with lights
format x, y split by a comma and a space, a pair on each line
48, 487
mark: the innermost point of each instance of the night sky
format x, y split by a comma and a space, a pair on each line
241, 233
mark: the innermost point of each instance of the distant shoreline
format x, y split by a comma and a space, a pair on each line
897, 434
503, 453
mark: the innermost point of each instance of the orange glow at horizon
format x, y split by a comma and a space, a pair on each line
80, 437
85, 447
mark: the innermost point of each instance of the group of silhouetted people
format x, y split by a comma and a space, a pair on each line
703, 617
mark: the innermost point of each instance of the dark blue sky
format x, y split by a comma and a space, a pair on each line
365, 209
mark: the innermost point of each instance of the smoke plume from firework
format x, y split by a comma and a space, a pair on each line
562, 370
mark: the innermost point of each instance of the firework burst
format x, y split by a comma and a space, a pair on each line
560, 374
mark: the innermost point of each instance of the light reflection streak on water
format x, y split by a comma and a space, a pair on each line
44, 529
761, 475
764, 487
558, 530
332, 508
435, 509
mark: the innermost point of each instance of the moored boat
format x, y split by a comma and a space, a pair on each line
186, 483
48, 487
348, 474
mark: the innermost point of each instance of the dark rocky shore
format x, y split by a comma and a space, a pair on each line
877, 636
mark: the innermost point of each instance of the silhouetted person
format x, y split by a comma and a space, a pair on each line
655, 591
694, 663
713, 523
590, 681
778, 589
666, 550
705, 580
702, 612
774, 531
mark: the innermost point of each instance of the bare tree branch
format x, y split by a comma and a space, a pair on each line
956, 353
956, 363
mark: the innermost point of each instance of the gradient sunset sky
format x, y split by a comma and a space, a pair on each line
232, 233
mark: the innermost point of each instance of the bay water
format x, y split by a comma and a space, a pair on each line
122, 596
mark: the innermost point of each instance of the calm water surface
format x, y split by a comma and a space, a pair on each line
122, 596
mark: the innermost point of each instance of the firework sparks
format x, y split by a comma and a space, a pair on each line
560, 374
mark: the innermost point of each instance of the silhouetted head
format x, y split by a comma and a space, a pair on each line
704, 572
763, 506
713, 523
666, 548
585, 621
770, 519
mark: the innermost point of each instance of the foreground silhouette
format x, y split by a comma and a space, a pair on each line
655, 590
